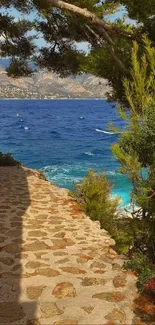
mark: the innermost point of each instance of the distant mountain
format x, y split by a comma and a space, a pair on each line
48, 85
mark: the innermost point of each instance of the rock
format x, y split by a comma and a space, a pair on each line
64, 260
100, 271
15, 287
10, 312
60, 234
66, 322
37, 233
55, 222
98, 265
112, 252
119, 281
117, 316
58, 228
2, 239
34, 293
11, 248
36, 246
110, 296
14, 233
40, 254
64, 290
63, 242
7, 260
88, 310
60, 253
34, 264
17, 267
50, 309
106, 259
92, 281
84, 259
73, 270
47, 272
116, 266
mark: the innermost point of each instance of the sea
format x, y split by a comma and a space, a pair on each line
64, 139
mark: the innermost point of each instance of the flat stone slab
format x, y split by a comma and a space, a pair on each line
56, 265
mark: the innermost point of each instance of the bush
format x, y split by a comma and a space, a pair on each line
145, 280
135, 152
138, 263
94, 196
142, 137
8, 160
144, 269
149, 286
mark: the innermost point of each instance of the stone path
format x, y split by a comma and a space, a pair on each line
56, 265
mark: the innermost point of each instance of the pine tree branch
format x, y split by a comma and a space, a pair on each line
103, 28
92, 17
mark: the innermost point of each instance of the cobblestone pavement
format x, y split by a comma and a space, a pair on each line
56, 265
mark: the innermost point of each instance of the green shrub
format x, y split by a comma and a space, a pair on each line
144, 280
149, 285
123, 237
8, 160
135, 152
145, 271
94, 196
138, 263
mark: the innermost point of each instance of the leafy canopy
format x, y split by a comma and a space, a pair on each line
64, 24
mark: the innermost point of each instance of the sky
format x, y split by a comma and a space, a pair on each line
81, 46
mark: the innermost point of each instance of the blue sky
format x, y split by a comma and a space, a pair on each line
82, 46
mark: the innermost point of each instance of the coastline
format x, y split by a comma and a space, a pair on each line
43, 121
124, 212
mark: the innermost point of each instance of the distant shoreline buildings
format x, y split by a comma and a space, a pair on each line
45, 85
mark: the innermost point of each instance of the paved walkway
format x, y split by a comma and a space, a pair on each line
56, 265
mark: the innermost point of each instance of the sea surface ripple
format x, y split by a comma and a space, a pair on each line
64, 138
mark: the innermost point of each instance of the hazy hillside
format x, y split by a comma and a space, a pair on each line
49, 85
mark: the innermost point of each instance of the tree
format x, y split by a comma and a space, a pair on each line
135, 149
143, 12
62, 25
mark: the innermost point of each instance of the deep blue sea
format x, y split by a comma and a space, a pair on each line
64, 138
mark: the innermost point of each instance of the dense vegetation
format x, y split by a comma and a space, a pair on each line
135, 152
93, 194
8, 160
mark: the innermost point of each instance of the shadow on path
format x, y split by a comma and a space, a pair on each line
14, 201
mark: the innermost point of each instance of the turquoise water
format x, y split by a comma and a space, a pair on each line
64, 138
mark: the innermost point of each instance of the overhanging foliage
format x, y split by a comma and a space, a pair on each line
63, 24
